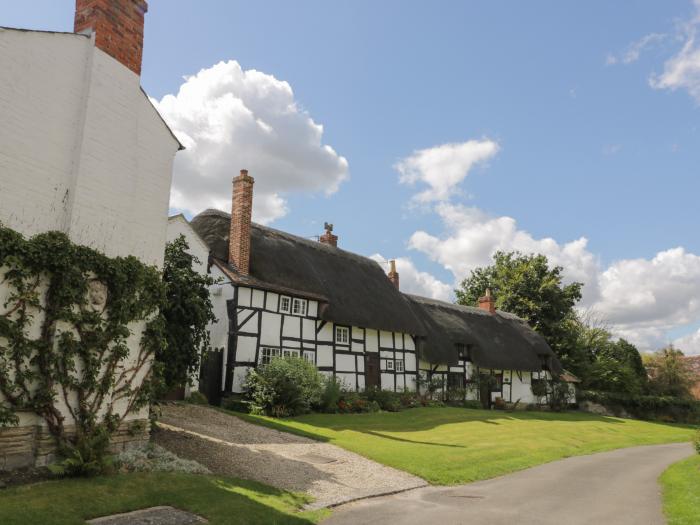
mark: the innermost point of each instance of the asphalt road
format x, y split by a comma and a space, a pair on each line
618, 487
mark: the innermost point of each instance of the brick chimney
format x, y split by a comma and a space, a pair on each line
487, 302
241, 215
393, 274
118, 27
328, 237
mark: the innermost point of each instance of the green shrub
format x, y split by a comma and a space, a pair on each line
356, 403
662, 408
472, 403
331, 395
559, 396
89, 456
386, 399
236, 403
285, 387
197, 398
409, 399
696, 442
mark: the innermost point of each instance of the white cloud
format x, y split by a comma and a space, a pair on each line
414, 281
690, 344
229, 118
444, 167
641, 299
682, 71
635, 49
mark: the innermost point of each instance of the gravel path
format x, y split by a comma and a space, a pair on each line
228, 445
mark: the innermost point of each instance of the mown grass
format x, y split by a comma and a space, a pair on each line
681, 489
221, 500
447, 446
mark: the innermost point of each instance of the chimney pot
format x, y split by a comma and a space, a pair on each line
241, 218
393, 274
328, 237
118, 27
487, 302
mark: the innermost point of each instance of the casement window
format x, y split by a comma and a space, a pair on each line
398, 365
267, 354
389, 364
285, 304
299, 306
455, 380
287, 353
463, 352
310, 357
342, 335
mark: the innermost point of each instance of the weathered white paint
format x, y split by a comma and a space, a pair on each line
82, 149
178, 225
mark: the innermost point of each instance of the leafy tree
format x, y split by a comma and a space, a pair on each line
669, 373
527, 286
187, 312
617, 367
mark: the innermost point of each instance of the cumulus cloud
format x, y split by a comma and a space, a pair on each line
444, 167
228, 119
690, 344
414, 281
640, 299
682, 71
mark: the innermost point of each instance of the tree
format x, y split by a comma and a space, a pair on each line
187, 311
616, 367
527, 286
669, 373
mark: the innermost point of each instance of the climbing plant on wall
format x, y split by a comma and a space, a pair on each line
78, 332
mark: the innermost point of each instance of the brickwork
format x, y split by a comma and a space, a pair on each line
118, 26
241, 217
487, 302
393, 274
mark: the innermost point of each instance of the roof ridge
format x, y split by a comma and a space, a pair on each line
462, 307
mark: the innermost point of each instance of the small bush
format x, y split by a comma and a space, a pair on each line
285, 387
197, 398
409, 399
472, 403
236, 404
386, 399
154, 458
356, 403
659, 408
331, 395
559, 397
88, 456
696, 442
499, 403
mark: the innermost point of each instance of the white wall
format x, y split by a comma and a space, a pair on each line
178, 225
82, 150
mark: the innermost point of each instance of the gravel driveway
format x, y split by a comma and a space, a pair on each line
230, 446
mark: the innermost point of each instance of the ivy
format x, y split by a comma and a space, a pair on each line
69, 317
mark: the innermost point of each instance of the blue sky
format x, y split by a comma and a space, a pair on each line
592, 139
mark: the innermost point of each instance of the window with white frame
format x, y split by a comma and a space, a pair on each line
299, 306
309, 356
285, 304
389, 364
398, 365
342, 335
267, 354
287, 353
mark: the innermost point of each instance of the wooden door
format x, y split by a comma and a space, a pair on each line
372, 370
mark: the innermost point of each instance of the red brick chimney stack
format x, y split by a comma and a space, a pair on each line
328, 237
241, 216
118, 27
487, 302
393, 274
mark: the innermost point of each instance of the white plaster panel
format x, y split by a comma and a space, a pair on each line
357, 333
400, 385
387, 354
270, 329
344, 363
324, 356
387, 381
243, 296
240, 373
308, 329
361, 382
360, 364
312, 309
326, 333
371, 341
258, 299
411, 382
357, 347
398, 338
386, 340
245, 348
272, 301
291, 326
178, 225
290, 343
251, 325
410, 362
410, 344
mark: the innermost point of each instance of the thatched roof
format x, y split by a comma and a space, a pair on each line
356, 289
498, 341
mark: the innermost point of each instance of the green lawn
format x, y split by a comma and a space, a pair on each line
455, 445
221, 500
681, 484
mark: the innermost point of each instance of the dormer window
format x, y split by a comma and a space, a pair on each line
285, 304
299, 307
342, 335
